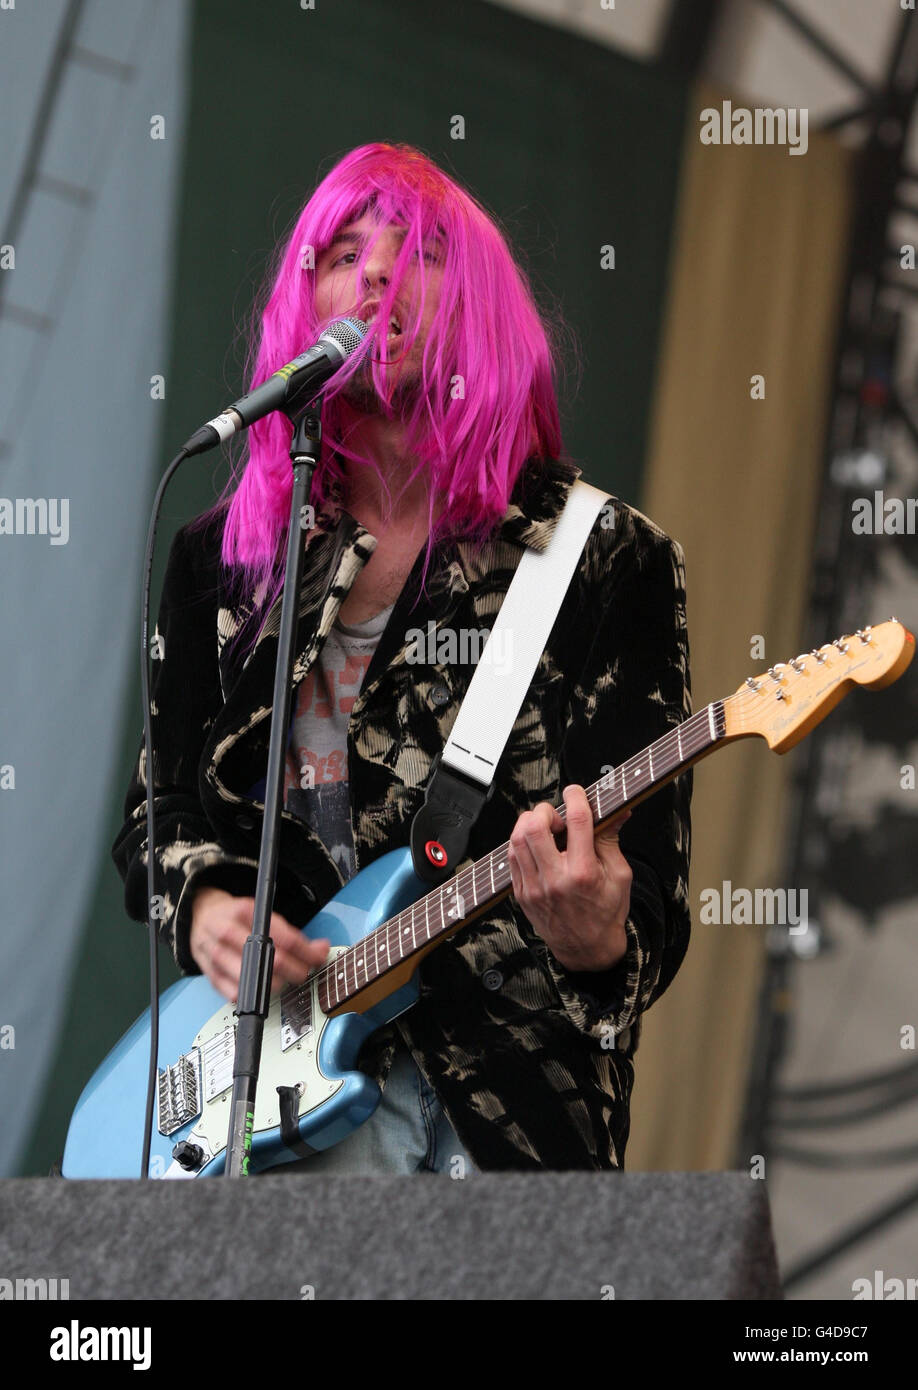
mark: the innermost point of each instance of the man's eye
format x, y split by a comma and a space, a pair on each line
346, 258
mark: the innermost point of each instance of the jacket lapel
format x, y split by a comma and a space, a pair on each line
336, 552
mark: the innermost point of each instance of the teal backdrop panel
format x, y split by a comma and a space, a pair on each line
573, 147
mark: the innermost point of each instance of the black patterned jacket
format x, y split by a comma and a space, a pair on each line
532, 1062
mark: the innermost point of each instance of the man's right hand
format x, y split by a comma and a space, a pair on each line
220, 924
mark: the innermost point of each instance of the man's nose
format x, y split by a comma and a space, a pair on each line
377, 268
376, 273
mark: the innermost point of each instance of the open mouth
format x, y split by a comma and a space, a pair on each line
392, 347
394, 329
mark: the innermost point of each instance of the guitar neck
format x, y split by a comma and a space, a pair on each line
439, 914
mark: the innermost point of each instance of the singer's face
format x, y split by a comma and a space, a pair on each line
338, 295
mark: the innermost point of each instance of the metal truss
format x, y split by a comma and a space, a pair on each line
867, 401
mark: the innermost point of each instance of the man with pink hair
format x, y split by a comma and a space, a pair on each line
442, 460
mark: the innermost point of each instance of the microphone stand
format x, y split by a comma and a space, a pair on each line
258, 953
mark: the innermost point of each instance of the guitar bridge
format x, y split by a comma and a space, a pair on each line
178, 1093
296, 1015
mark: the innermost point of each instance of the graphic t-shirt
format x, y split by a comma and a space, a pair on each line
316, 781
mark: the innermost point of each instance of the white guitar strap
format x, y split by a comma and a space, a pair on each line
498, 687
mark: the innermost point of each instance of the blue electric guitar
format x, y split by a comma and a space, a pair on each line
381, 924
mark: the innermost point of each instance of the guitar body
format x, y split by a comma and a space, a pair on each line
302, 1047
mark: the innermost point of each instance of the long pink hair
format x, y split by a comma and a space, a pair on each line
487, 401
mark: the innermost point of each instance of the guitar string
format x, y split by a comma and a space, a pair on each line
697, 724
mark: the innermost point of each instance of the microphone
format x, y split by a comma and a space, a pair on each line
311, 369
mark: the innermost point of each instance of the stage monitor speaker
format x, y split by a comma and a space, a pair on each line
484, 1236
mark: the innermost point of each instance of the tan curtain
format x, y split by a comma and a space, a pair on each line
757, 279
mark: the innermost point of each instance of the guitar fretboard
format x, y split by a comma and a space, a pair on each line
442, 911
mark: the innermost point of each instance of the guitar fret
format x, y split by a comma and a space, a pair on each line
462, 895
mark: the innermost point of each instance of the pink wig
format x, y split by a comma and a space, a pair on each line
486, 403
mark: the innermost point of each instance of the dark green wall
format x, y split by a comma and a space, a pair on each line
571, 145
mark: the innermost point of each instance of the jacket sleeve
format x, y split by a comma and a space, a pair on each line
186, 697
634, 687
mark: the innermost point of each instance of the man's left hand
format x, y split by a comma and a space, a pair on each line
577, 899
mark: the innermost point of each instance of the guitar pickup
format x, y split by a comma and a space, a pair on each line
178, 1093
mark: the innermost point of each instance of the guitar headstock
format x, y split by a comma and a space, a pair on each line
785, 702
